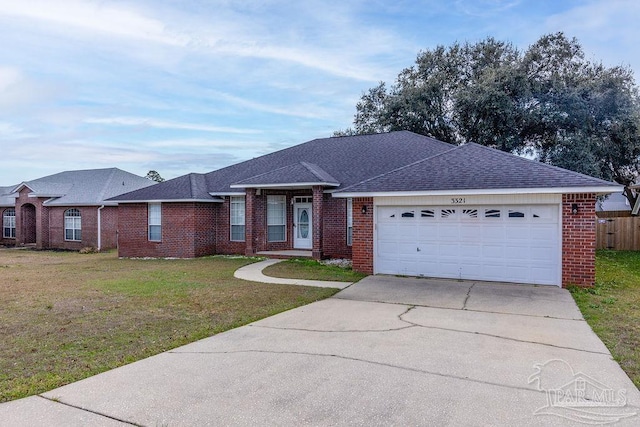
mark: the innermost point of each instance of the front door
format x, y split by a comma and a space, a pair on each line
302, 225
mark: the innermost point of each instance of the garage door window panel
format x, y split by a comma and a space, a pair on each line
427, 213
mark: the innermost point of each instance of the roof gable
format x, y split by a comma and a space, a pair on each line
301, 173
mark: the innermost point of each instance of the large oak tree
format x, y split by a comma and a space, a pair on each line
548, 101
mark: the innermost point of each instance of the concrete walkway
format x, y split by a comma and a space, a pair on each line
253, 273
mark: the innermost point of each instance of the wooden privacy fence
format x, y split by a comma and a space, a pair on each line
620, 233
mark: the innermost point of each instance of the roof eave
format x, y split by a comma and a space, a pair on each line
68, 204
488, 191
226, 193
287, 185
169, 201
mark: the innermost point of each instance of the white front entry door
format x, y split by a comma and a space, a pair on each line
303, 226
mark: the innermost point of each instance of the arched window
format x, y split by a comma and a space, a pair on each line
72, 225
9, 223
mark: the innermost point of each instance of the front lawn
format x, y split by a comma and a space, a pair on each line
612, 307
309, 269
66, 316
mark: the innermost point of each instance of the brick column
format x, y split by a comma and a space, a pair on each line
318, 199
579, 240
249, 221
362, 247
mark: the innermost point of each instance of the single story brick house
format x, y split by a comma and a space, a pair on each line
396, 203
67, 210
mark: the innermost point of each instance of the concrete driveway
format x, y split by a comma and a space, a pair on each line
385, 351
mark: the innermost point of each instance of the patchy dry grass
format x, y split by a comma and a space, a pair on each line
67, 316
300, 268
612, 307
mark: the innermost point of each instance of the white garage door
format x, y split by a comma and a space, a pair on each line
497, 243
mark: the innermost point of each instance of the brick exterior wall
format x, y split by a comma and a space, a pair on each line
109, 226
28, 219
190, 230
318, 223
334, 236
224, 245
334, 226
363, 235
89, 227
578, 240
187, 230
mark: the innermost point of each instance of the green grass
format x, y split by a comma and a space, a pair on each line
302, 268
67, 316
612, 307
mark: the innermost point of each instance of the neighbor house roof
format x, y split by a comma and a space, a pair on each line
476, 168
613, 202
7, 196
381, 163
84, 187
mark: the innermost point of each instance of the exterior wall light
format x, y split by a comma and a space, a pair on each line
574, 208
364, 209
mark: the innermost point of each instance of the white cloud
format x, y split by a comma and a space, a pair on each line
305, 111
92, 16
8, 77
200, 144
483, 8
17, 91
223, 33
162, 124
9, 131
607, 30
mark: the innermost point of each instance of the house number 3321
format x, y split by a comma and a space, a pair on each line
457, 200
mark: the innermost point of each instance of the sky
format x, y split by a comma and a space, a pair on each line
181, 86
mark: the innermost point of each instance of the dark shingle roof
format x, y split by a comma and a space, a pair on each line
474, 167
186, 187
347, 160
299, 173
390, 162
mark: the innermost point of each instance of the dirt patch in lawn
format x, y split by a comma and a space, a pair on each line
66, 316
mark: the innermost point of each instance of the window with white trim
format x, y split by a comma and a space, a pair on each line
236, 215
349, 222
72, 225
9, 223
155, 222
276, 219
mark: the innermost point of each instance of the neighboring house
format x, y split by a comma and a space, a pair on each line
67, 210
614, 203
396, 203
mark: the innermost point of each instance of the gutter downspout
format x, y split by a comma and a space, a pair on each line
100, 228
